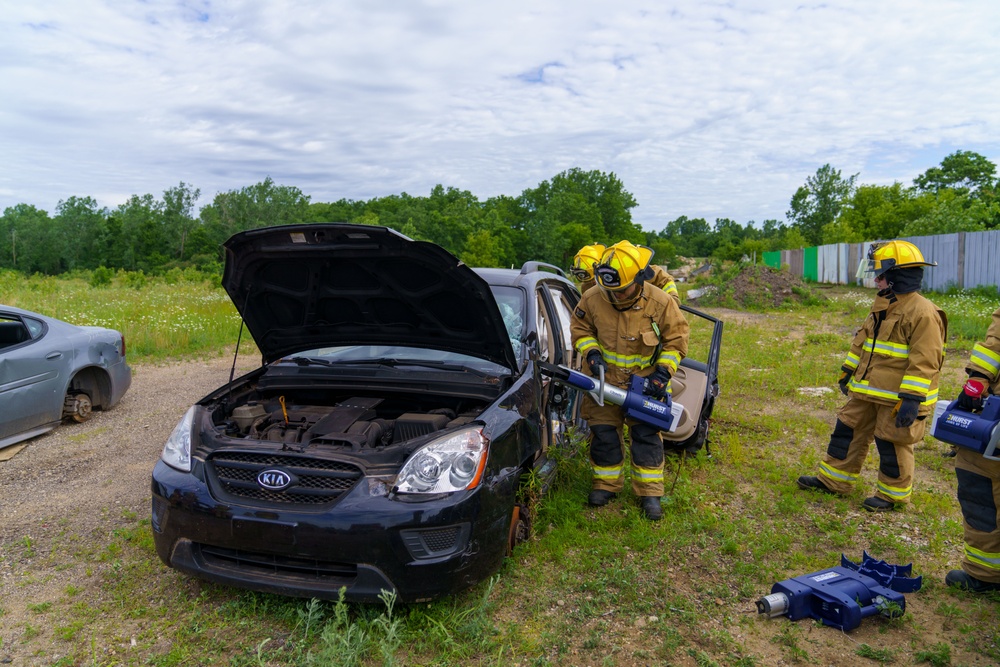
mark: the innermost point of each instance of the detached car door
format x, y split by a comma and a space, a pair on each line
32, 368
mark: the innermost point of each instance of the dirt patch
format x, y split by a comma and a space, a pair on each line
754, 287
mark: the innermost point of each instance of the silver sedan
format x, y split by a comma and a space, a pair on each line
51, 370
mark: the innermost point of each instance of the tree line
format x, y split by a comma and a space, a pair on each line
547, 223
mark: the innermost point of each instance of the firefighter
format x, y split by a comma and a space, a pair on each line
589, 255
979, 477
583, 265
890, 377
627, 327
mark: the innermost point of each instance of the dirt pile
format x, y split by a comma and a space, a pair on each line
757, 286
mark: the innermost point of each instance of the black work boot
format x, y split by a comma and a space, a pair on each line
876, 504
599, 498
807, 482
964, 580
651, 508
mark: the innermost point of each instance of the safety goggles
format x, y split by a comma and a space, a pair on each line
608, 277
580, 274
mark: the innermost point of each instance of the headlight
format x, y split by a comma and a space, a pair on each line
177, 451
451, 464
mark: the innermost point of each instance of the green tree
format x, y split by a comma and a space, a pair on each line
261, 205
178, 218
481, 249
965, 172
818, 202
136, 235
575, 208
28, 240
691, 237
953, 212
877, 212
81, 229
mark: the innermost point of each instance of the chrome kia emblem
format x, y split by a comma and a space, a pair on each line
274, 480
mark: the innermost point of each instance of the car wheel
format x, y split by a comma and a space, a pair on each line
78, 406
520, 527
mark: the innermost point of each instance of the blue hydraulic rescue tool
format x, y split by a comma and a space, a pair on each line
841, 596
978, 431
661, 414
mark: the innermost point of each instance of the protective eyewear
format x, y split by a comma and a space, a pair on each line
580, 274
608, 277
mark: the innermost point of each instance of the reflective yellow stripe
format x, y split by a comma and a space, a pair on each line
670, 288
667, 358
852, 360
984, 558
586, 344
912, 384
670, 359
838, 475
607, 472
898, 350
862, 387
894, 491
647, 475
986, 359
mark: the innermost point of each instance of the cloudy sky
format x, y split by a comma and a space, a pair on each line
704, 109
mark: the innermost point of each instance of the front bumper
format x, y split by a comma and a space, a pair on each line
364, 542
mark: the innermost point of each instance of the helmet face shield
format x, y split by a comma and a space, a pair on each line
608, 277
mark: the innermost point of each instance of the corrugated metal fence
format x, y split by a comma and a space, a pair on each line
964, 259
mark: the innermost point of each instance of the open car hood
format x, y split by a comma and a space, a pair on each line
300, 287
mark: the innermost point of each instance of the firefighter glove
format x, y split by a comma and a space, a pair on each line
657, 383
906, 410
971, 397
845, 378
595, 361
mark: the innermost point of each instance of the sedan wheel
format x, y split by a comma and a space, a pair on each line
520, 528
78, 406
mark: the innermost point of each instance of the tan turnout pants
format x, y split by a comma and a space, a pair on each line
860, 422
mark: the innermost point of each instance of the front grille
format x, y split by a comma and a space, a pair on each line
317, 481
269, 565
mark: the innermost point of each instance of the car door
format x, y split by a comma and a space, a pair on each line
32, 370
556, 302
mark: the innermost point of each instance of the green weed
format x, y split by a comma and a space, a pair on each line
882, 655
938, 656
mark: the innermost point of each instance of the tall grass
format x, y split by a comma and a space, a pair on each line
174, 316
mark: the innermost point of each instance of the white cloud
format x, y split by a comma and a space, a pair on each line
705, 110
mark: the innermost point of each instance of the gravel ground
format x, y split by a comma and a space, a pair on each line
79, 480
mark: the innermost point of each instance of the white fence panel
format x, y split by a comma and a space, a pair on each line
943, 249
982, 259
831, 264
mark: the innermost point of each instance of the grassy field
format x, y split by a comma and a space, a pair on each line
591, 587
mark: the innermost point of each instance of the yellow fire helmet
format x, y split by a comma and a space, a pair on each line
895, 254
584, 261
622, 265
